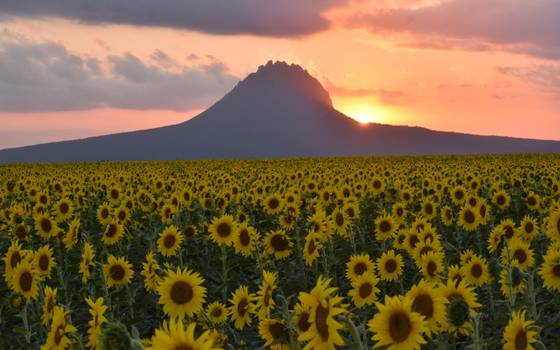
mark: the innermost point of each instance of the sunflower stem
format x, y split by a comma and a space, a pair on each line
356, 340
224, 273
23, 316
477, 341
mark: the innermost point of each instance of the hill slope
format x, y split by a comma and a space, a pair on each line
279, 111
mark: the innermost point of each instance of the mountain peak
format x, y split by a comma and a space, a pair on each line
283, 79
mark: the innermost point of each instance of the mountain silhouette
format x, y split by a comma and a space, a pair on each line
278, 111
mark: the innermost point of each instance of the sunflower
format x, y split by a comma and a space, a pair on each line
104, 214
169, 241
359, 265
311, 248
324, 306
432, 266
553, 225
177, 335
279, 244
59, 331
364, 290
72, 234
511, 284
49, 302
273, 204
428, 302
44, 261
13, 257
97, 311
458, 195
475, 271
517, 252
181, 292
519, 333
45, 226
501, 199
550, 270
245, 240
462, 305
217, 312
275, 333
118, 272
113, 232
340, 221
528, 228
429, 210
468, 219
390, 266
301, 318
454, 274
150, 270
63, 210
384, 227
242, 307
395, 325
265, 300
24, 280
446, 216
223, 230
87, 264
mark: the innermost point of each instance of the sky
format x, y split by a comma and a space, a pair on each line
75, 68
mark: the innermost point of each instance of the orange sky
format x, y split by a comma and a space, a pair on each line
468, 82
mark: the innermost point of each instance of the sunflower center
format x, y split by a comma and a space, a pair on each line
273, 203
122, 215
279, 243
311, 247
15, 259
509, 232
217, 312
183, 347
360, 268
277, 330
242, 307
476, 270
469, 217
303, 322
181, 292
339, 219
321, 315
104, 213
244, 238
365, 290
267, 295
529, 227
21, 232
482, 210
432, 267
458, 310
399, 327
224, 229
377, 184
556, 270
59, 334
521, 340
520, 255
111, 230
44, 262
424, 305
114, 194
390, 265
117, 272
385, 226
26, 281
501, 200
189, 231
429, 208
413, 240
46, 225
64, 208
169, 241
532, 201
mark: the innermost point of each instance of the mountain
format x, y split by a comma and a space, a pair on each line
278, 111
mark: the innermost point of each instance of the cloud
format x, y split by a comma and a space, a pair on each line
528, 27
267, 18
46, 77
545, 76
387, 97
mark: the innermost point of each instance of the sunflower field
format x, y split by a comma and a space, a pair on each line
330, 253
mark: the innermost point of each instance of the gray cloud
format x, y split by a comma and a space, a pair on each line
528, 27
41, 77
545, 76
257, 17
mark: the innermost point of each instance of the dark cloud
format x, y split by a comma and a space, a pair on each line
42, 77
387, 97
529, 27
545, 76
257, 17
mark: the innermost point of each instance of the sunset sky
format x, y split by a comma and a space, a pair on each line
75, 68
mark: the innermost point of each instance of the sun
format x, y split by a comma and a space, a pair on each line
364, 113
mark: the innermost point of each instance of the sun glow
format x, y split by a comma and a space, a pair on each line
364, 113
